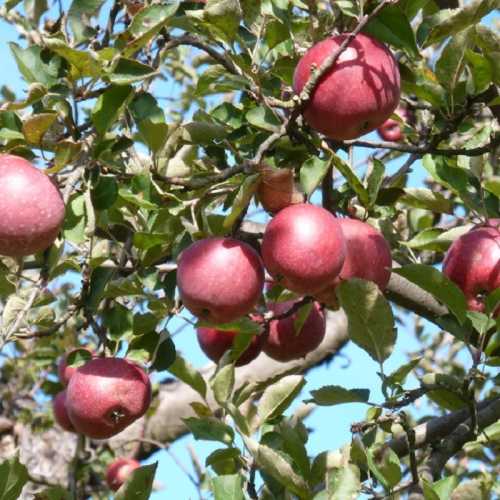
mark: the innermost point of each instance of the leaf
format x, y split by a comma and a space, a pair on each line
78, 13
399, 375
385, 465
13, 477
209, 429
352, 179
228, 487
279, 396
445, 486
262, 117
312, 172
129, 71
84, 62
427, 199
436, 239
493, 185
105, 192
277, 467
294, 444
53, 493
224, 15
78, 357
223, 384
492, 301
12, 310
139, 484
35, 126
438, 285
481, 69
203, 132
242, 199
343, 483
392, 26
330, 395
451, 21
110, 106
35, 92
189, 375
370, 318
374, 180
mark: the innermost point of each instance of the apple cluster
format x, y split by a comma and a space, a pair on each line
305, 249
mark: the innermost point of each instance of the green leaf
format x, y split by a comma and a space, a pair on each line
352, 179
13, 477
139, 484
385, 465
437, 284
343, 483
399, 375
242, 199
225, 15
35, 92
482, 70
78, 15
330, 395
425, 198
392, 26
374, 181
189, 375
209, 429
129, 71
444, 487
492, 301
228, 487
223, 384
53, 493
78, 357
449, 22
110, 106
36, 126
294, 444
312, 172
262, 117
370, 318
436, 239
203, 132
493, 185
105, 192
12, 310
277, 467
84, 62
279, 396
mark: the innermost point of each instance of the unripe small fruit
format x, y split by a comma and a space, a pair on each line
61, 413
214, 343
473, 263
303, 248
119, 471
277, 189
64, 371
31, 208
357, 94
106, 395
284, 343
220, 279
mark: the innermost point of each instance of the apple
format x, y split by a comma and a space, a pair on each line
61, 413
390, 130
357, 94
220, 279
277, 189
473, 263
64, 371
214, 343
303, 248
284, 343
31, 208
119, 471
105, 395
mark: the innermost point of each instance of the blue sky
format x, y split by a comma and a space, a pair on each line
354, 368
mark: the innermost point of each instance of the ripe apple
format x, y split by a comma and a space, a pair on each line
284, 343
357, 94
64, 371
214, 343
61, 413
390, 130
105, 395
473, 263
303, 248
220, 279
119, 471
277, 189
31, 208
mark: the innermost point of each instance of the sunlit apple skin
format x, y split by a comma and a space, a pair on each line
106, 395
355, 96
61, 413
283, 343
31, 208
64, 371
220, 279
473, 263
214, 343
303, 248
277, 189
119, 471
391, 130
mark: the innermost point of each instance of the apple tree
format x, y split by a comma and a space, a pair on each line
202, 166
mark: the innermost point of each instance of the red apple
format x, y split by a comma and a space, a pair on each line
220, 279
31, 208
119, 471
284, 343
106, 395
303, 248
61, 413
277, 189
473, 263
214, 343
357, 94
64, 371
390, 130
